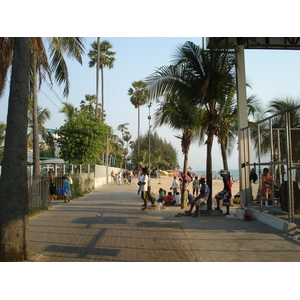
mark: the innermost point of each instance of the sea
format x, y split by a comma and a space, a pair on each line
235, 174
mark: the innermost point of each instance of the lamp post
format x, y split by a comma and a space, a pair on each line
149, 135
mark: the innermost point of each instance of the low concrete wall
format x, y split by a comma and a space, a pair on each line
101, 177
272, 221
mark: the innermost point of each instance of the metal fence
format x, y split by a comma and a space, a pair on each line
274, 144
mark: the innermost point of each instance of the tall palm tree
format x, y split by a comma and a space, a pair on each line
202, 77
106, 60
139, 95
227, 122
13, 181
179, 114
23, 55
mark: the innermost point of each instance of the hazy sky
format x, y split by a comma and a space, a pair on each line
271, 73
147, 39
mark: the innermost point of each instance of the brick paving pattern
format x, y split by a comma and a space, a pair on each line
108, 225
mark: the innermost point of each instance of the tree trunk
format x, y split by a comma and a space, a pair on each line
139, 136
184, 189
97, 76
35, 129
102, 93
209, 144
224, 156
13, 182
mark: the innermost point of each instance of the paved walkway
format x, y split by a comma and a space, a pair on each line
108, 225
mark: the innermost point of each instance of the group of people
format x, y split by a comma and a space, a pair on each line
66, 187
199, 196
125, 177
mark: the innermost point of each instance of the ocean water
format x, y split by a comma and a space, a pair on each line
233, 173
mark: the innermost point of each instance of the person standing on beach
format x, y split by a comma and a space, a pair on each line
174, 186
144, 187
195, 186
224, 195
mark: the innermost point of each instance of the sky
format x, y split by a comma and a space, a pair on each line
271, 73
145, 37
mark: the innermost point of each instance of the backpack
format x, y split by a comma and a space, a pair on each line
253, 175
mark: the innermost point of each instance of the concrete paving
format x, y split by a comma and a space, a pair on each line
108, 225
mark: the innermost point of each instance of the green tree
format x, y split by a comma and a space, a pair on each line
163, 157
199, 77
182, 115
82, 138
68, 109
43, 114
227, 121
13, 181
106, 60
139, 95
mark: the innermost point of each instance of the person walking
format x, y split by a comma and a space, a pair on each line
224, 195
67, 190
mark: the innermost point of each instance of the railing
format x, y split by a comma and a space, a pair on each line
84, 177
278, 149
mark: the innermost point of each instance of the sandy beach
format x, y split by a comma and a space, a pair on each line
165, 182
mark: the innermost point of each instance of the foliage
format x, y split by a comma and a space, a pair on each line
163, 155
82, 138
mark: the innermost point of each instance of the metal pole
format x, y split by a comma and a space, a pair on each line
289, 168
149, 161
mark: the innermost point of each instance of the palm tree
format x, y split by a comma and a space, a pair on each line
106, 60
139, 95
43, 114
13, 181
68, 109
227, 122
180, 114
200, 77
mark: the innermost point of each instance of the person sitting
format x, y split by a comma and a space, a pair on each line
161, 195
190, 197
169, 199
176, 198
201, 198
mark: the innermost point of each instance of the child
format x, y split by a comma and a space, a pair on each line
169, 199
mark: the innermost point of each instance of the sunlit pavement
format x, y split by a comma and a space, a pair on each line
108, 225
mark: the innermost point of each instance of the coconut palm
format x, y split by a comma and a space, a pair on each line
68, 109
200, 77
106, 60
13, 181
181, 115
139, 95
228, 123
43, 114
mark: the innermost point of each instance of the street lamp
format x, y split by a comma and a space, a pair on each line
149, 118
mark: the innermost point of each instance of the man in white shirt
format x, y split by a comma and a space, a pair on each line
144, 187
